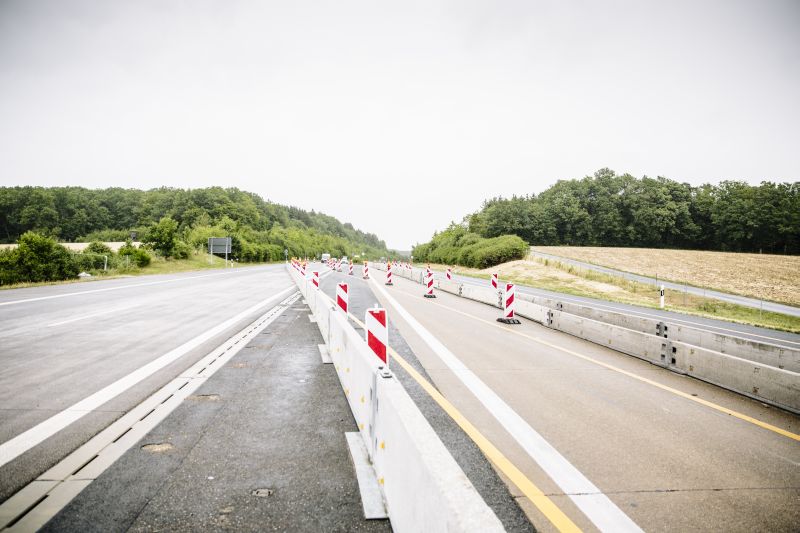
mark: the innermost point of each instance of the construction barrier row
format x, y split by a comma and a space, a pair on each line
422, 485
762, 371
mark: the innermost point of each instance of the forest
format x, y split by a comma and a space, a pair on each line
607, 209
261, 230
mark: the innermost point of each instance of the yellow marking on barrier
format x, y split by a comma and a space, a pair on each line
362, 399
549, 509
667, 388
383, 445
361, 426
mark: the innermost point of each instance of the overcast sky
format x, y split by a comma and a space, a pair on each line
396, 116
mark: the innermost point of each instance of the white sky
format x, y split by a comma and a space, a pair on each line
396, 116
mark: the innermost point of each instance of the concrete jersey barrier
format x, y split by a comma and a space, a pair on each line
423, 487
762, 371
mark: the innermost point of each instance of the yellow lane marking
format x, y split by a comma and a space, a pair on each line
549, 509
712, 405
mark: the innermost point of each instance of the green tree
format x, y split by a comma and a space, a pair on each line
162, 236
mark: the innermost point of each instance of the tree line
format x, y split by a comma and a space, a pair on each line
261, 230
607, 209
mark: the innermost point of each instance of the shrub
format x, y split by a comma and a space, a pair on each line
455, 246
181, 250
138, 256
97, 247
37, 258
89, 261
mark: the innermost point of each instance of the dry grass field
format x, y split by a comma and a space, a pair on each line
771, 277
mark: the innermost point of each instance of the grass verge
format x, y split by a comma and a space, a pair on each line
158, 265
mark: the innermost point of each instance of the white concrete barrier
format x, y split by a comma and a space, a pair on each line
759, 381
423, 487
759, 352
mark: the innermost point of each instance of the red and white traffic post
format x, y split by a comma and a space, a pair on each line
315, 279
449, 274
508, 306
429, 284
366, 270
389, 273
377, 333
494, 281
350, 270
342, 296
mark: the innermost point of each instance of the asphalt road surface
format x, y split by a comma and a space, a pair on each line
65, 344
602, 432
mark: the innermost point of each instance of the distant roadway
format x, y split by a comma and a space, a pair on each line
698, 291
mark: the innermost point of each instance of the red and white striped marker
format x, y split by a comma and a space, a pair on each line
377, 333
429, 285
508, 305
350, 270
366, 270
315, 279
342, 296
494, 281
449, 275
389, 274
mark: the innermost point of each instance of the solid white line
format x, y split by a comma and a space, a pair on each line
586, 496
92, 291
23, 442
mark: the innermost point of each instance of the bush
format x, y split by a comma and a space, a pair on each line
37, 258
97, 247
456, 246
89, 261
137, 256
181, 250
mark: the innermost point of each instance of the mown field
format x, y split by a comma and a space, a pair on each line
771, 277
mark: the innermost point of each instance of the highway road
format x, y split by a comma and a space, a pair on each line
76, 357
615, 442
781, 338
699, 291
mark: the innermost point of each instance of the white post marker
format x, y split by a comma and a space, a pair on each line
315, 279
389, 273
342, 296
508, 306
377, 332
494, 281
429, 284
661, 298
449, 274
366, 270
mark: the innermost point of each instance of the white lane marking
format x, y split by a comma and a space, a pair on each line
93, 291
586, 496
93, 315
698, 325
13, 448
111, 443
